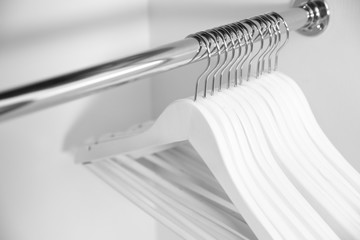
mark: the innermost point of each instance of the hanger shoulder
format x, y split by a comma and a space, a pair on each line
174, 125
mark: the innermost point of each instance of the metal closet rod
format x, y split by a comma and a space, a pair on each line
311, 17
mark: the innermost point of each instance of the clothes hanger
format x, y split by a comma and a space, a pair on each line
248, 127
167, 130
236, 221
200, 205
271, 209
179, 164
313, 128
284, 104
244, 230
294, 170
274, 114
213, 84
338, 181
262, 196
300, 175
205, 217
246, 180
250, 161
338, 177
315, 131
154, 198
160, 210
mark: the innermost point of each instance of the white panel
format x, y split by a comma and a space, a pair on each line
44, 195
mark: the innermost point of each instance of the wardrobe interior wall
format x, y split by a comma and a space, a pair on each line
43, 194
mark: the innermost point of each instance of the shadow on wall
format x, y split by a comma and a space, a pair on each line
111, 111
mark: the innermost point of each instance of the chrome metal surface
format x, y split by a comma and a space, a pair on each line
62, 89
318, 16
26, 99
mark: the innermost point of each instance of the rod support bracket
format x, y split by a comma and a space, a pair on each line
318, 16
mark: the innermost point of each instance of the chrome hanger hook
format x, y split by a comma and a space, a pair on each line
254, 27
232, 31
218, 53
205, 41
226, 34
261, 33
239, 67
240, 35
272, 39
280, 18
276, 36
277, 41
220, 66
268, 31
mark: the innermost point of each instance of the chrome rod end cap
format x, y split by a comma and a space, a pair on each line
318, 16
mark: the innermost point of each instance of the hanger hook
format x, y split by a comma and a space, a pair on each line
245, 34
240, 35
268, 31
226, 34
280, 18
202, 40
276, 38
213, 35
272, 41
218, 68
277, 41
248, 41
232, 31
261, 34
255, 28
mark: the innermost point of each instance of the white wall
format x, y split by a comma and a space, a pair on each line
43, 194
